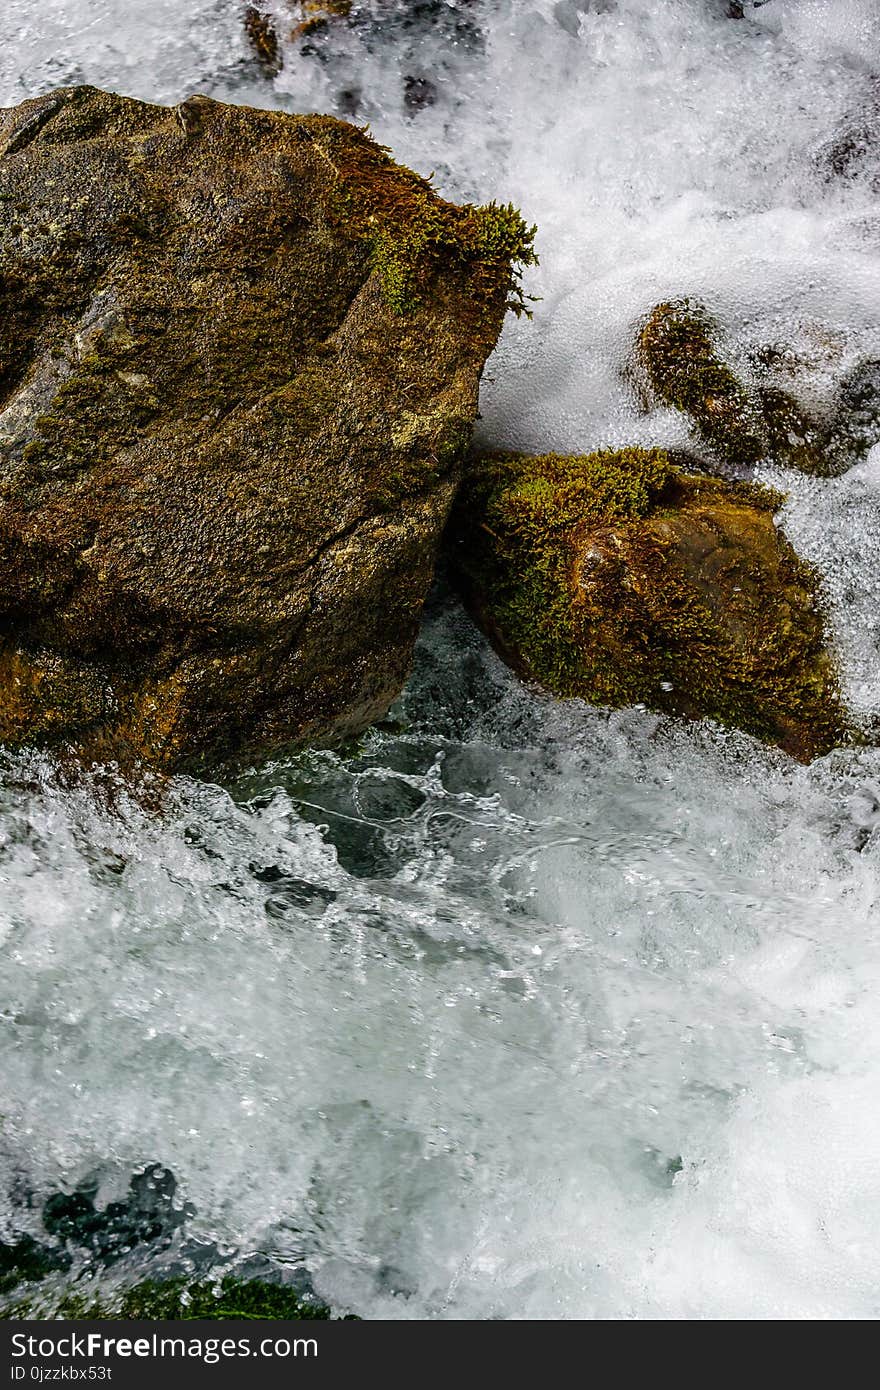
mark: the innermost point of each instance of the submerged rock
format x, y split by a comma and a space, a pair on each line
741, 425
239, 362
856, 426
853, 152
619, 579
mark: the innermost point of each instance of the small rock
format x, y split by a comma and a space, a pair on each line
263, 38
619, 579
740, 424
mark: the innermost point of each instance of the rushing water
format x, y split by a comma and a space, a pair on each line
526, 1010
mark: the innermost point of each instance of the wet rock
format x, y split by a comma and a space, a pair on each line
148, 1215
418, 92
226, 1298
739, 9
856, 425
795, 438
26, 1260
239, 361
853, 151
313, 15
676, 350
76, 1227
263, 38
617, 578
676, 353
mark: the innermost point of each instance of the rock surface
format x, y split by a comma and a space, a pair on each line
619, 579
239, 363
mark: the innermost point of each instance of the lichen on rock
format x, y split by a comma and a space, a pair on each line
239, 363
617, 578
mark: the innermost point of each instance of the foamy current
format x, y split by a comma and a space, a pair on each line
526, 1010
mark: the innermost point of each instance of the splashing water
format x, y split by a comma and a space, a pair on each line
524, 1010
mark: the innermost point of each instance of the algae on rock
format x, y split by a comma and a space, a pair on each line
618, 578
239, 363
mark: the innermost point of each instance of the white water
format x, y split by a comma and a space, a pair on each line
544, 1013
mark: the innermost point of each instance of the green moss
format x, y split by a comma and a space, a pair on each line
404, 257
170, 1300
412, 233
615, 578
526, 515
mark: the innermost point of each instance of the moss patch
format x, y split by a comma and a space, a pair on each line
413, 233
495, 234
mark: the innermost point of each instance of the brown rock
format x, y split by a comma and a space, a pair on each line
619, 579
239, 361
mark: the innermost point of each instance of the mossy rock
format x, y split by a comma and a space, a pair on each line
262, 36
171, 1300
617, 578
677, 355
240, 354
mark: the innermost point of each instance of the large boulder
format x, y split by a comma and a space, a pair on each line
618, 578
239, 362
